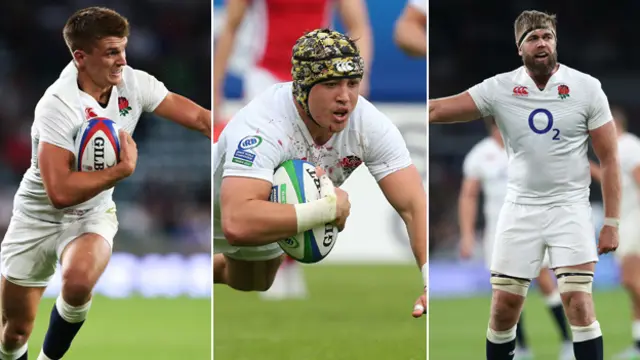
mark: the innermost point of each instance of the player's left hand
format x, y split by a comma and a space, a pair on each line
420, 307
608, 240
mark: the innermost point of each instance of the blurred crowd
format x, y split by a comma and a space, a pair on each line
466, 47
165, 205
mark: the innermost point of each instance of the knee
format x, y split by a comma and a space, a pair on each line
630, 282
575, 287
76, 287
16, 334
509, 295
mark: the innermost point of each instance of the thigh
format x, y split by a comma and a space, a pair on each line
19, 305
518, 248
85, 248
252, 275
570, 236
28, 251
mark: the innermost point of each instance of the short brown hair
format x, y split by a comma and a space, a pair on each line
532, 19
86, 26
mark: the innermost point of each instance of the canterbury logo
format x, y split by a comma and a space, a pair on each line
520, 91
345, 66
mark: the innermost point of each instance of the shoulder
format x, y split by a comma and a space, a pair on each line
367, 118
582, 78
481, 148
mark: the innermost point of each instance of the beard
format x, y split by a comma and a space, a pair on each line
540, 68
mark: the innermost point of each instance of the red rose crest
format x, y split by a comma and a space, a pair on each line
349, 164
123, 106
563, 91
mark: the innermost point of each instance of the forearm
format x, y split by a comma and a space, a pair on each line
611, 193
416, 224
224, 46
411, 38
259, 222
78, 187
467, 213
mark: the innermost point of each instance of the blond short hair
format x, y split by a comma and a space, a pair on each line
532, 19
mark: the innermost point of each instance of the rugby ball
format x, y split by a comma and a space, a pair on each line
296, 182
97, 145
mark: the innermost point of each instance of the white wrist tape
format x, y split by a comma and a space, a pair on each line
612, 222
318, 212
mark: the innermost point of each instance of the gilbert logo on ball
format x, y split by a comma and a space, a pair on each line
97, 145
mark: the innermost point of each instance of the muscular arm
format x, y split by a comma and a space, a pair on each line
410, 32
405, 192
452, 109
468, 208
605, 146
250, 219
185, 112
66, 187
235, 11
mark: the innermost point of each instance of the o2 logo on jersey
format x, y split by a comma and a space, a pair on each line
546, 129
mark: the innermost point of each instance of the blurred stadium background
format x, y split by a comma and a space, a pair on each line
480, 45
360, 297
157, 287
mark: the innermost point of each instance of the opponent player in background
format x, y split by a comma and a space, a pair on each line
281, 23
63, 215
410, 30
321, 118
546, 113
485, 169
628, 254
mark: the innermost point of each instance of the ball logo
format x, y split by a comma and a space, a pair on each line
328, 235
290, 242
250, 142
98, 153
314, 176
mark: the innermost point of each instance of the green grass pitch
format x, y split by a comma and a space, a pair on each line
354, 312
136, 328
457, 327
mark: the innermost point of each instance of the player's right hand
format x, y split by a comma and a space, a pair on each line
128, 153
420, 307
608, 240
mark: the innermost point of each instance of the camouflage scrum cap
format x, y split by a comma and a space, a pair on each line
322, 55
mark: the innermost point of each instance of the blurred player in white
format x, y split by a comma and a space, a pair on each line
628, 254
67, 216
485, 170
279, 24
321, 118
546, 113
410, 30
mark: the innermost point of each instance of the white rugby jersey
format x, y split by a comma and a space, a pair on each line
269, 131
58, 117
629, 157
545, 132
487, 162
420, 5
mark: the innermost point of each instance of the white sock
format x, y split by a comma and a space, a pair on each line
554, 299
635, 330
501, 337
42, 356
585, 333
13, 354
72, 314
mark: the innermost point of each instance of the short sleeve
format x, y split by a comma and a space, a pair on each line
249, 154
151, 91
55, 126
599, 111
471, 167
386, 149
482, 94
420, 5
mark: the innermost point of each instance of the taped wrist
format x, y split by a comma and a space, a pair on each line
315, 213
425, 276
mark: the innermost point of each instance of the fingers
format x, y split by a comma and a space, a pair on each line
320, 171
326, 186
420, 307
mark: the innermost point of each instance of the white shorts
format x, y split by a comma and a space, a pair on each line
629, 233
524, 232
247, 253
256, 81
489, 239
31, 248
